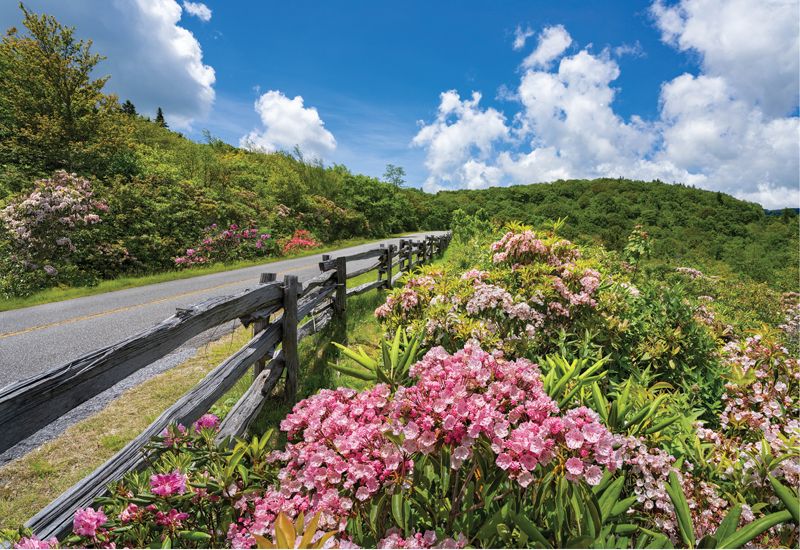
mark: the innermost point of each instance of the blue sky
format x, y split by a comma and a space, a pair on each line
374, 69
695, 91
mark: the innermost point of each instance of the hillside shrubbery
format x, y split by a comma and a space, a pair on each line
545, 395
163, 191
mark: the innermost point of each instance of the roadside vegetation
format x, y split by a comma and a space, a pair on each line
58, 294
545, 394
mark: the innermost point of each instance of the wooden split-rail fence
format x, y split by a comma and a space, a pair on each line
281, 313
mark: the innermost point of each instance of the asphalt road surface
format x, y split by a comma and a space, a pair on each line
40, 338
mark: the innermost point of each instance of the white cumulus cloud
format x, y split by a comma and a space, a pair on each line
287, 123
752, 44
152, 60
553, 41
717, 129
198, 9
461, 132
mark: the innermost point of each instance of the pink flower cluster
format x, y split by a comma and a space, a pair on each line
507, 310
590, 443
525, 247
762, 405
338, 451
394, 539
41, 223
33, 542
471, 394
407, 299
767, 408
206, 422
88, 521
222, 245
650, 469
691, 272
164, 485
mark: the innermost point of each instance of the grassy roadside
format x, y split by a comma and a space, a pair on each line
32, 481
61, 294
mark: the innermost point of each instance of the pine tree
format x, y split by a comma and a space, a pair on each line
128, 108
53, 114
160, 118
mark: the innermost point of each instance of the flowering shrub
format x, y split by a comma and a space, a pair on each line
301, 239
49, 234
535, 290
535, 286
228, 245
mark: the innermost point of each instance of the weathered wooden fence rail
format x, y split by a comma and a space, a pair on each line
281, 313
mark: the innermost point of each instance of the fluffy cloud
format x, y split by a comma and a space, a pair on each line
717, 129
752, 44
152, 60
287, 123
461, 135
198, 9
553, 41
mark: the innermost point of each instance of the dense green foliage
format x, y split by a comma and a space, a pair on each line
162, 191
712, 231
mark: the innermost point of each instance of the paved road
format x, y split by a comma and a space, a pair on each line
40, 338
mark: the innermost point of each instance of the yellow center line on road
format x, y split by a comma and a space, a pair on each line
127, 308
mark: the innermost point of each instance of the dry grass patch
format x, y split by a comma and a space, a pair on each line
32, 481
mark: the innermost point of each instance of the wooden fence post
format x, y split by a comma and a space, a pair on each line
401, 255
290, 320
261, 324
389, 260
382, 265
340, 300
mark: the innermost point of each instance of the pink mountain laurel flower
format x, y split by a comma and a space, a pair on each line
87, 521
171, 519
33, 542
165, 485
130, 513
207, 421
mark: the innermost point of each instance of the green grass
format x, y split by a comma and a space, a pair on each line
68, 293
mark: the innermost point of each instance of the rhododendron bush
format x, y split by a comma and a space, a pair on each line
301, 239
699, 399
225, 245
48, 234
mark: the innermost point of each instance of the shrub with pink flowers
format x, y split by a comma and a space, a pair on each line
301, 239
554, 403
227, 245
47, 235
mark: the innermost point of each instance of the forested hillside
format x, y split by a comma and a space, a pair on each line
688, 225
135, 197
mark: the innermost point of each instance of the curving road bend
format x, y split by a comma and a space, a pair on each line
40, 338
